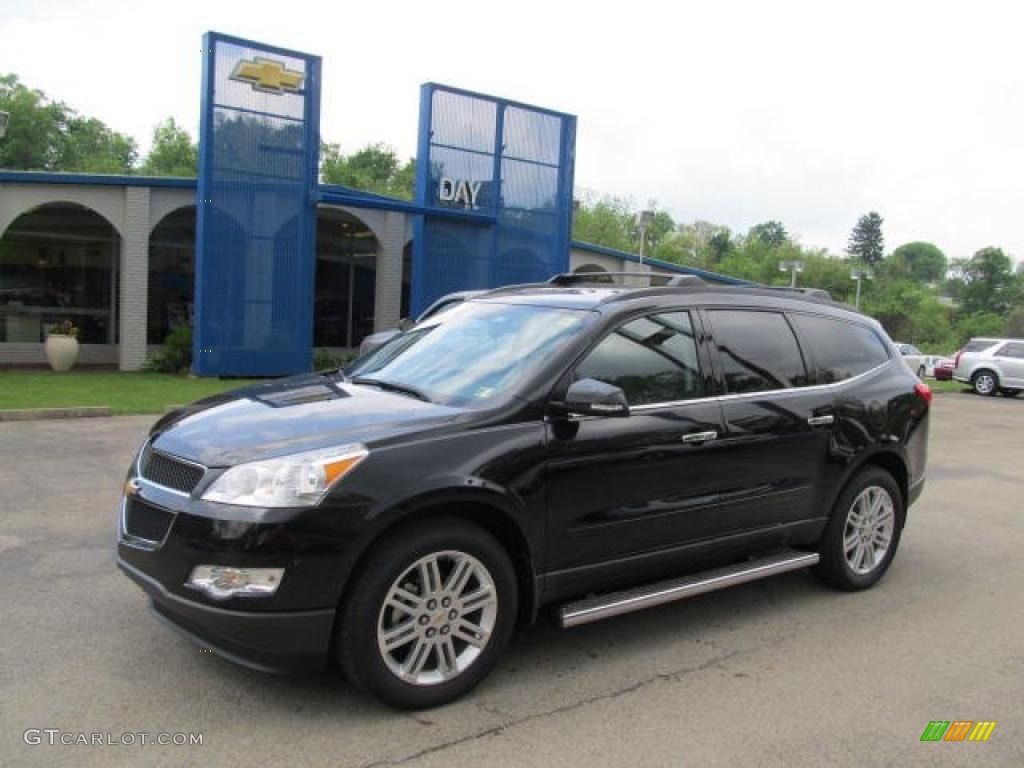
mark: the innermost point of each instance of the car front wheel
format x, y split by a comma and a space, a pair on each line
985, 383
429, 615
863, 532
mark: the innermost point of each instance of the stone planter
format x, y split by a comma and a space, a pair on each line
61, 351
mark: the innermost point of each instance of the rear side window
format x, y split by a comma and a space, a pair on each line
1013, 349
652, 359
842, 350
977, 345
757, 350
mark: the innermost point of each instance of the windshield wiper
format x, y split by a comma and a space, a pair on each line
403, 389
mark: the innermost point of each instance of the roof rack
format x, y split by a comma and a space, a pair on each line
676, 281
818, 293
605, 278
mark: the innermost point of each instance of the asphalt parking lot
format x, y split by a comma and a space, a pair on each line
778, 673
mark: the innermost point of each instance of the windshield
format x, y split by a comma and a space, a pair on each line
478, 353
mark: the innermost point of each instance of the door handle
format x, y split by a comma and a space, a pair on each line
820, 421
699, 437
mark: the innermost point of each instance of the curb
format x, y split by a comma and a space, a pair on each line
33, 414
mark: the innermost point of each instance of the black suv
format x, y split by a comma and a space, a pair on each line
583, 445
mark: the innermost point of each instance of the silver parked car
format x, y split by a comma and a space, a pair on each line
915, 359
991, 366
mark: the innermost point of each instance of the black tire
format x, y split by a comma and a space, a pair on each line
921, 372
834, 569
1007, 392
985, 383
358, 652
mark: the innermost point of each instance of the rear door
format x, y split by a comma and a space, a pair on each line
1011, 360
778, 425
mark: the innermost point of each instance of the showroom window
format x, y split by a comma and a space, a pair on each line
58, 263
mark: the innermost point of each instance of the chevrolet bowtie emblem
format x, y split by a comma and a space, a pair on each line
268, 76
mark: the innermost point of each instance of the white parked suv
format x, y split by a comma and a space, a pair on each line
991, 366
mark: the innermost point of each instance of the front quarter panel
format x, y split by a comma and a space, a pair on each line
490, 470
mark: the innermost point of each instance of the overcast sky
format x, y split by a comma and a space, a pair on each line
733, 112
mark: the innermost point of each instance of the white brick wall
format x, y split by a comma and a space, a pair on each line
387, 307
134, 279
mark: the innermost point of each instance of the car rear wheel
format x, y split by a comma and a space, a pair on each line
429, 615
985, 383
863, 532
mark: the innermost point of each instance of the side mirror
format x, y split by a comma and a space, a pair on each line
595, 398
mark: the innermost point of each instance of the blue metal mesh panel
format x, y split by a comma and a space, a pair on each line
255, 235
486, 155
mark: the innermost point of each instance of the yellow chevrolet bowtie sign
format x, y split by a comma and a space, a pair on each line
268, 76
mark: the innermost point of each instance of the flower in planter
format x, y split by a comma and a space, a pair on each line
64, 328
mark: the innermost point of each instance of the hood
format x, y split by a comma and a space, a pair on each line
295, 414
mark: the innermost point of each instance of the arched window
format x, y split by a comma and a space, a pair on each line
57, 263
346, 279
172, 273
595, 269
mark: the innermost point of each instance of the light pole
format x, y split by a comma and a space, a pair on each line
859, 275
792, 267
643, 221
4, 117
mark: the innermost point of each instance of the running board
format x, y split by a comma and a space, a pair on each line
627, 601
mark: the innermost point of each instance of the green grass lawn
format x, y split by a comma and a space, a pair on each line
123, 392
946, 386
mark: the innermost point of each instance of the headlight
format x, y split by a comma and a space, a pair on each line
298, 480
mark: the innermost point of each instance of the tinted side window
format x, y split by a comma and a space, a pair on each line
757, 351
842, 350
652, 359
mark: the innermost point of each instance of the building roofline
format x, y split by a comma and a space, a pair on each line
95, 179
669, 266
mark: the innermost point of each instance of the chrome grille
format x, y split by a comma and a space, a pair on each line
169, 471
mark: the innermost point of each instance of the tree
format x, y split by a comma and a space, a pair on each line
910, 312
771, 233
374, 168
989, 284
89, 146
721, 244
607, 222
920, 261
866, 242
172, 153
46, 135
34, 128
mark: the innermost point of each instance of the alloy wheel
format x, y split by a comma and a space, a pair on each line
985, 383
869, 529
437, 618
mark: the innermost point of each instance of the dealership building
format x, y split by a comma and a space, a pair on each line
260, 258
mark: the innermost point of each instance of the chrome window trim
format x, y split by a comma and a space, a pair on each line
761, 393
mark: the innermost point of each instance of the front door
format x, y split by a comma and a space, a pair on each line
627, 487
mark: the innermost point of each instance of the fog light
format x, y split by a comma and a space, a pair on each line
223, 581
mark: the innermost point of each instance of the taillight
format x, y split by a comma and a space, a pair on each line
923, 391
956, 358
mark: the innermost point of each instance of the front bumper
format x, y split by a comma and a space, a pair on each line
267, 641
